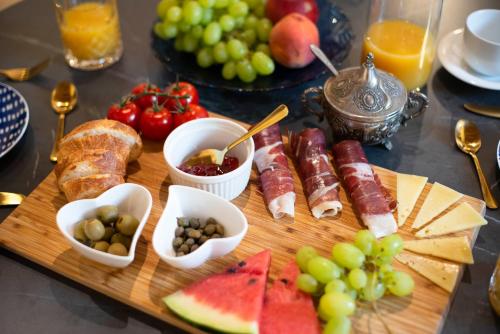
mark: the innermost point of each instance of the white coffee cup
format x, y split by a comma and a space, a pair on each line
482, 41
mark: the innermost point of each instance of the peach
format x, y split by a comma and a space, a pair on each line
290, 39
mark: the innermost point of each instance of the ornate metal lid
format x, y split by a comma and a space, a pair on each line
366, 93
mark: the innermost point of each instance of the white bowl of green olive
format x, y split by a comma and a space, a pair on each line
196, 226
106, 229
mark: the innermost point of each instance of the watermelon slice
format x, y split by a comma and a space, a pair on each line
286, 309
231, 301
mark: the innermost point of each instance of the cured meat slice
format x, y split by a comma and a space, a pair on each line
371, 199
320, 183
275, 175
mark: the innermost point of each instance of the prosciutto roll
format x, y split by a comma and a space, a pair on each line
275, 175
371, 199
320, 183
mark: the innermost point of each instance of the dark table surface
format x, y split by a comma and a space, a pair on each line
33, 299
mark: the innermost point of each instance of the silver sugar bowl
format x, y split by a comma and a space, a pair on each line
365, 103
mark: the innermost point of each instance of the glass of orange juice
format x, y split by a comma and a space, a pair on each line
90, 32
402, 37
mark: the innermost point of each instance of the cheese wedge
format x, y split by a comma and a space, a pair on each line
409, 188
452, 248
439, 199
461, 218
443, 274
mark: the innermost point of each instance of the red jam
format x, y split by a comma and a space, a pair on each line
228, 165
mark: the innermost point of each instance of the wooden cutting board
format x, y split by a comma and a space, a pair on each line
31, 232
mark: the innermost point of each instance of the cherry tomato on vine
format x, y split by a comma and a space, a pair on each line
128, 113
156, 124
181, 89
191, 112
146, 101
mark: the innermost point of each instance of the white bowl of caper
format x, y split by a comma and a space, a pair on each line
196, 226
106, 229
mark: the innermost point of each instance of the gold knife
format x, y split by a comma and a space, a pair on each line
10, 198
490, 111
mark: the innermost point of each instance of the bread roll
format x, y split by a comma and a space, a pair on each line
90, 186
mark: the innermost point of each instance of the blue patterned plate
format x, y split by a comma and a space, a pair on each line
14, 118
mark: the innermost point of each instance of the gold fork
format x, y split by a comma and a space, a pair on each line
10, 198
25, 73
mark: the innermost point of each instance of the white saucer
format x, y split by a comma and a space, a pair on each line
450, 52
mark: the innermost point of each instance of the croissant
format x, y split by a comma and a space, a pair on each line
93, 157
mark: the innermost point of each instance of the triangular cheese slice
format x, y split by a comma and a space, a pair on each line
453, 248
409, 188
439, 199
443, 274
463, 217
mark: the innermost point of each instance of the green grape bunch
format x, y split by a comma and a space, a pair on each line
359, 271
231, 34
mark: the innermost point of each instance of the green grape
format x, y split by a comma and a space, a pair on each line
221, 3
158, 29
335, 285
208, 15
219, 53
238, 9
400, 283
229, 70
207, 3
179, 43
307, 283
323, 269
248, 36
204, 57
183, 26
364, 241
357, 278
170, 30
192, 12
190, 44
212, 33
262, 47
304, 254
338, 325
384, 269
260, 11
263, 64
227, 22
245, 71
347, 255
322, 315
250, 22
163, 6
197, 32
236, 49
337, 304
239, 22
263, 28
373, 289
174, 14
391, 245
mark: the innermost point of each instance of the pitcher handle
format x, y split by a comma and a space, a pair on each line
313, 96
417, 103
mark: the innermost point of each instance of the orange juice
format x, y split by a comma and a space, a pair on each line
401, 48
91, 30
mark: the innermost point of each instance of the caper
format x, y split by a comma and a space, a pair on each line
184, 248
183, 221
94, 229
121, 239
203, 224
194, 247
195, 234
211, 221
101, 246
127, 224
179, 254
209, 229
189, 242
194, 223
216, 236
179, 231
219, 229
202, 239
177, 242
107, 214
108, 233
187, 230
117, 249
79, 232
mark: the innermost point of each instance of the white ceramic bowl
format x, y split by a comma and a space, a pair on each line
190, 202
192, 137
130, 198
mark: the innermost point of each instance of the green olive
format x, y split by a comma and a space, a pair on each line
94, 229
108, 233
101, 246
121, 239
127, 224
79, 233
107, 214
117, 249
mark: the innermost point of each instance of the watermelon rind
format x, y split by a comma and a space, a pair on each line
189, 308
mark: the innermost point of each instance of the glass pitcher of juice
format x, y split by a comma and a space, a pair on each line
90, 32
402, 36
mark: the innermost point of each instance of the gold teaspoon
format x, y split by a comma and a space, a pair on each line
63, 99
468, 139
